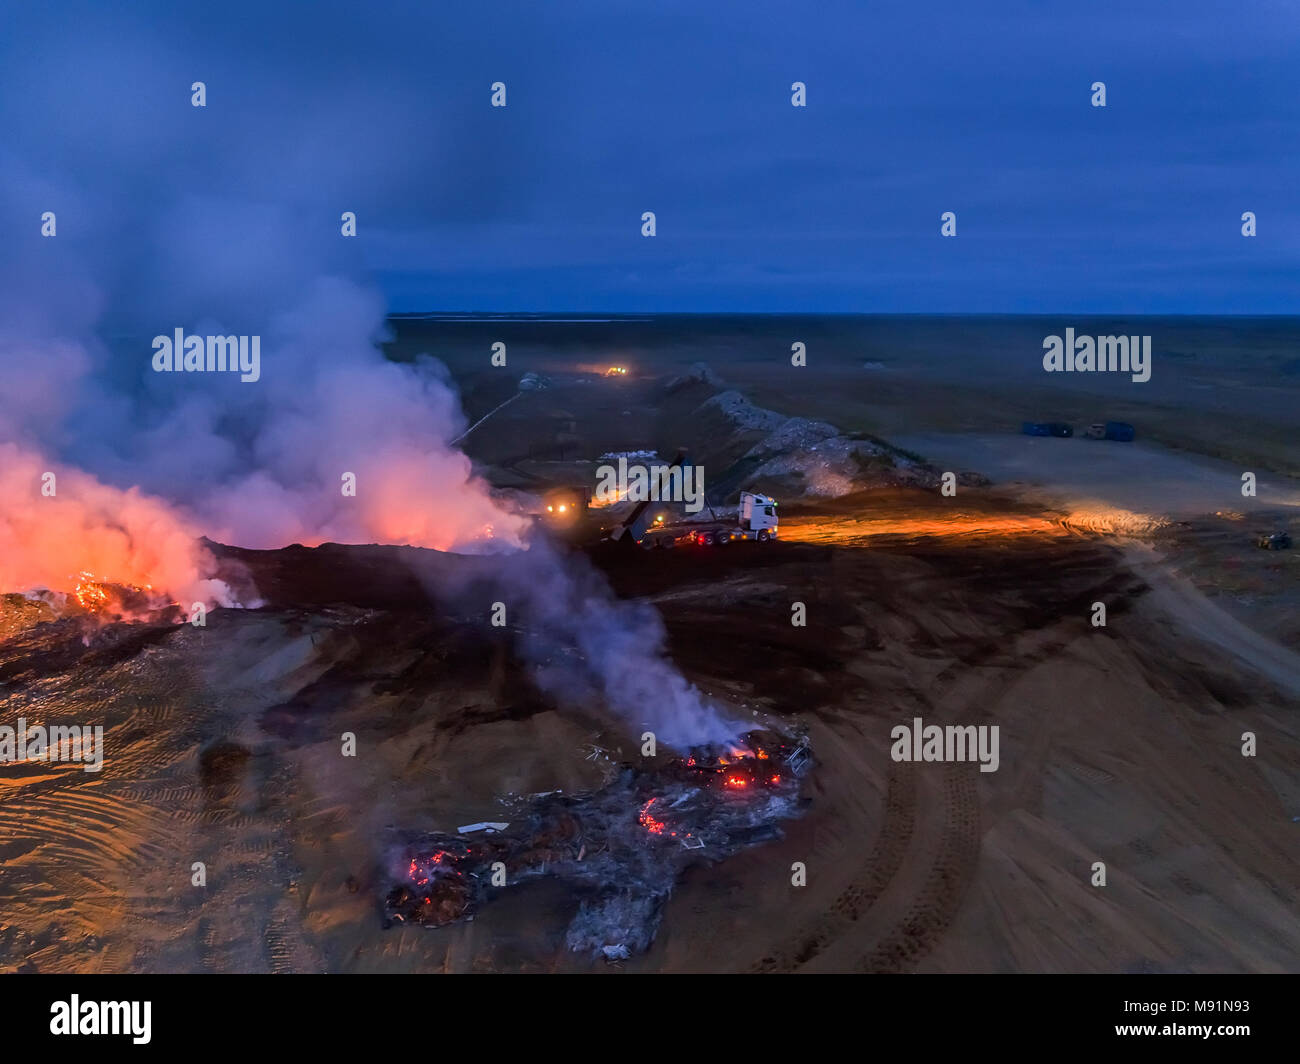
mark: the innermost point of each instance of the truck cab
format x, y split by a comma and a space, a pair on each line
758, 514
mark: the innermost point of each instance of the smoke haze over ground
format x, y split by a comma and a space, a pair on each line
225, 221
585, 645
231, 237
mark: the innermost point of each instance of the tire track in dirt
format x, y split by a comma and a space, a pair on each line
882, 864
288, 951
945, 884
954, 866
949, 872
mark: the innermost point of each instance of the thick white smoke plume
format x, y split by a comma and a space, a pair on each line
237, 234
88, 527
255, 464
262, 463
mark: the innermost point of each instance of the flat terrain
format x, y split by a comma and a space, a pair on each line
1079, 473
1119, 744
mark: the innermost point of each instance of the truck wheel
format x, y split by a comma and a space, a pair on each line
763, 537
719, 538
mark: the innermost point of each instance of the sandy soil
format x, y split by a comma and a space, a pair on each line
1119, 744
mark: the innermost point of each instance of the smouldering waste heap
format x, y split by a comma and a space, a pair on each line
622, 847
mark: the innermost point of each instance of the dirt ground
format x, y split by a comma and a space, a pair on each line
1118, 744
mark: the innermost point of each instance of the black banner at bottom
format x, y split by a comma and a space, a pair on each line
522, 1013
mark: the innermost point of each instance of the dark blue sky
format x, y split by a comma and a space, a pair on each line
677, 107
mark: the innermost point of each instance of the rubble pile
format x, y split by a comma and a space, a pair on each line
622, 847
814, 456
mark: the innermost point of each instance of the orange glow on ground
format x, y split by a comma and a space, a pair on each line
850, 529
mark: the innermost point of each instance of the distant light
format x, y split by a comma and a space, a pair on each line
551, 509
563, 508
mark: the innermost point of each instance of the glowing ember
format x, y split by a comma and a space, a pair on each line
96, 596
741, 767
655, 827
424, 868
90, 594
625, 864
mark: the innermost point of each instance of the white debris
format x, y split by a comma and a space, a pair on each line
490, 826
815, 453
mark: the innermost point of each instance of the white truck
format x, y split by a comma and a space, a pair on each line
756, 519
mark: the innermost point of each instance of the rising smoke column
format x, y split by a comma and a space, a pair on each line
585, 644
237, 235
58, 522
265, 472
224, 221
261, 464
253, 464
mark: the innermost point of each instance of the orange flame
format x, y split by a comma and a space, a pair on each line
90, 594
93, 594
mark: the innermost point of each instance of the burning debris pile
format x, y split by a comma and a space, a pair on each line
102, 600
622, 847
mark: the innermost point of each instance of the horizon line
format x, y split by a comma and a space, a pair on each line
647, 315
